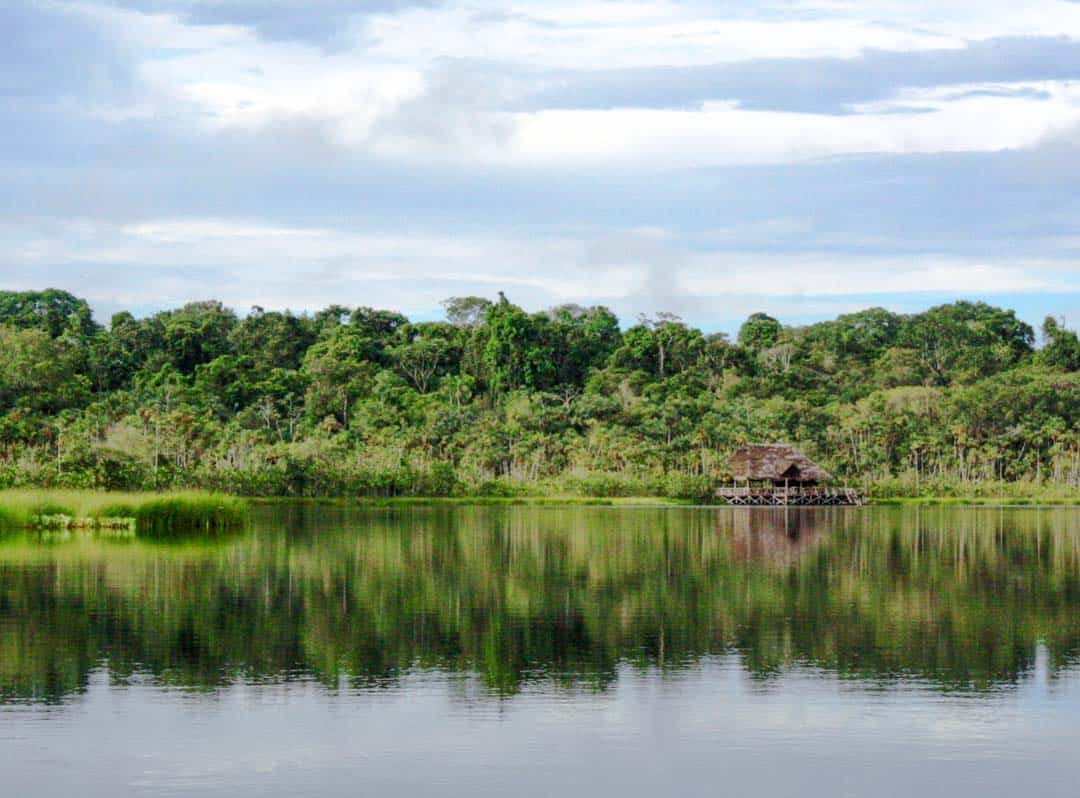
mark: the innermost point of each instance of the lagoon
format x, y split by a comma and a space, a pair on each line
329, 650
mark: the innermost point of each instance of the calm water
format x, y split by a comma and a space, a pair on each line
537, 651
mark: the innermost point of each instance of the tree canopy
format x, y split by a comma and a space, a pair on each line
355, 398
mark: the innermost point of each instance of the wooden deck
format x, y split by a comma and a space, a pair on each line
791, 497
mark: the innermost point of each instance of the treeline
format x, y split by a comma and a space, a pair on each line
495, 400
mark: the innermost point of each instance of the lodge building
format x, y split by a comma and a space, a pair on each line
778, 474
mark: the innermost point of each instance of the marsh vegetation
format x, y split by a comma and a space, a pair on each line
175, 513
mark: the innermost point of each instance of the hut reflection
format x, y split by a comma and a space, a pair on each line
778, 537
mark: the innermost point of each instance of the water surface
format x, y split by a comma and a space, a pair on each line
536, 651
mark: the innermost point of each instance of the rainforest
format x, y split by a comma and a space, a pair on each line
960, 400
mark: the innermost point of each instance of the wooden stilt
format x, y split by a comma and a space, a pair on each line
788, 496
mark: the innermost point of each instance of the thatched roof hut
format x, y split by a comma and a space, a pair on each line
777, 463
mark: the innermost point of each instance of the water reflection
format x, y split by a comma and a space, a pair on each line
567, 598
776, 536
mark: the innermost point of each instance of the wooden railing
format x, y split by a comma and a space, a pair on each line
779, 496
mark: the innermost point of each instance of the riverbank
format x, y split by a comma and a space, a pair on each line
187, 512
1021, 493
975, 501
489, 501
650, 501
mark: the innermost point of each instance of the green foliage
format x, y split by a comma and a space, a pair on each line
695, 487
52, 311
340, 371
514, 355
196, 334
965, 341
273, 340
39, 374
760, 331
468, 311
426, 354
362, 402
180, 516
579, 340
442, 480
154, 514
1061, 347
616, 485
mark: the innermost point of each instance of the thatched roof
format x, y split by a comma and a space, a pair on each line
776, 462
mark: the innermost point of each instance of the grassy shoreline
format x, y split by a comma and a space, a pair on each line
194, 512
483, 501
975, 501
141, 513
647, 501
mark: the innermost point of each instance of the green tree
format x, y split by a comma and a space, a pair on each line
128, 346
579, 340
760, 331
426, 353
196, 333
1061, 346
51, 310
467, 311
273, 340
38, 373
513, 354
340, 373
965, 341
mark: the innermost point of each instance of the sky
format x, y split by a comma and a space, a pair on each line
715, 158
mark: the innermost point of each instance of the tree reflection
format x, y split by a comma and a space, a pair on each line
565, 597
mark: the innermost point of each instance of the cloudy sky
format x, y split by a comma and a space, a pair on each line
707, 157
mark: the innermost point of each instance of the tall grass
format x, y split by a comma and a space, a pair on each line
185, 515
947, 491
159, 515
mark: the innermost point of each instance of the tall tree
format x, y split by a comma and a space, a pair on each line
197, 333
514, 356
760, 331
1061, 346
50, 310
965, 341
466, 311
272, 339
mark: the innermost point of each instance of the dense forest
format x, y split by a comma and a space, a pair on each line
498, 401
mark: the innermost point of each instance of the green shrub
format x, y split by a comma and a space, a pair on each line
617, 485
500, 488
694, 487
442, 480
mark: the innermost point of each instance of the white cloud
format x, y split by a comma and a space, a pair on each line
149, 31
383, 108
798, 274
963, 19
217, 112
251, 85
380, 98
374, 114
725, 134
605, 35
244, 262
